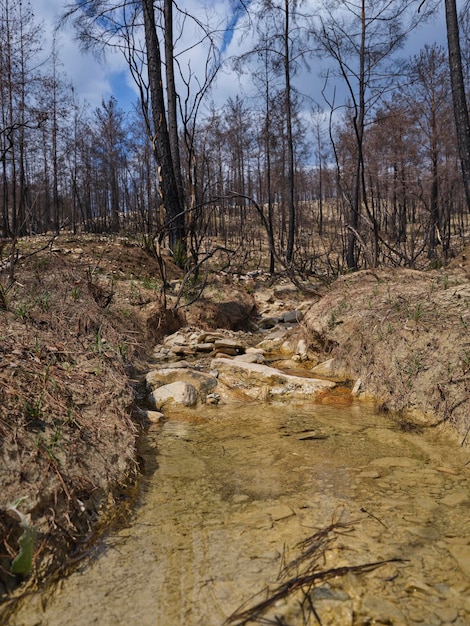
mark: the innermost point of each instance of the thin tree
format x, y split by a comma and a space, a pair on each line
161, 137
462, 122
361, 36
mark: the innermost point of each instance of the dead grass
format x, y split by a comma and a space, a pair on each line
70, 337
404, 333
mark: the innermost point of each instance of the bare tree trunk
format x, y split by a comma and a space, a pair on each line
171, 97
290, 141
462, 121
161, 140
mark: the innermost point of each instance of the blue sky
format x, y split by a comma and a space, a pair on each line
94, 80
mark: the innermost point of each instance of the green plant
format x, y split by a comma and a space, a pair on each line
3, 297
99, 342
23, 562
43, 300
413, 367
51, 445
416, 313
75, 294
21, 312
33, 410
445, 281
150, 283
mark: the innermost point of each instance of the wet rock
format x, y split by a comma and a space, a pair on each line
325, 593
447, 614
413, 585
174, 393
204, 383
462, 555
238, 498
381, 611
334, 612
425, 503
456, 498
395, 461
280, 512
334, 606
289, 345
425, 532
260, 381
370, 474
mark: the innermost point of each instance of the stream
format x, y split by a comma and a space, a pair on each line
230, 491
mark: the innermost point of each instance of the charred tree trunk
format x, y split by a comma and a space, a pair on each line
174, 213
462, 121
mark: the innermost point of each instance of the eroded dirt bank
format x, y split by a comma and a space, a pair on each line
81, 317
405, 334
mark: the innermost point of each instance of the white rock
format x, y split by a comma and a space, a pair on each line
324, 369
204, 383
252, 350
357, 387
263, 382
301, 348
250, 358
154, 416
174, 393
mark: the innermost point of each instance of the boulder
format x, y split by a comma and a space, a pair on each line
229, 343
257, 381
292, 317
203, 383
251, 357
175, 393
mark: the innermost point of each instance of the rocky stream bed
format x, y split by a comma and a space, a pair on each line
395, 341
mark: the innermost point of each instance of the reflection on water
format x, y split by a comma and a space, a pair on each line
235, 488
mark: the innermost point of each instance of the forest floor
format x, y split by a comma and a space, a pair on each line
77, 326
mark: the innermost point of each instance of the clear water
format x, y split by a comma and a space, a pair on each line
230, 491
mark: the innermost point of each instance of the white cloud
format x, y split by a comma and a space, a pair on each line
91, 78
94, 80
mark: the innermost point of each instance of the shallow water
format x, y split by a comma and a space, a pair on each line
236, 488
